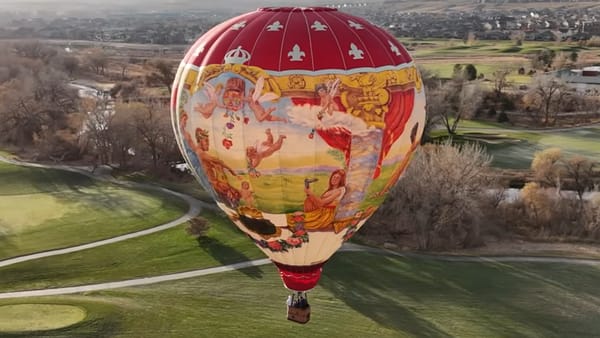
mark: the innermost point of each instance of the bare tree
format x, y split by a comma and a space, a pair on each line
501, 81
581, 170
439, 199
98, 129
547, 96
456, 100
124, 141
97, 60
162, 72
70, 64
35, 50
35, 102
153, 125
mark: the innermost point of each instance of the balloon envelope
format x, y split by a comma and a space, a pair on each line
298, 121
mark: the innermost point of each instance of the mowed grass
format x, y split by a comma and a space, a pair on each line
37, 317
427, 48
486, 55
446, 70
42, 209
359, 295
164, 252
515, 148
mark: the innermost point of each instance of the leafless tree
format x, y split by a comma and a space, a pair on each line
581, 170
35, 102
98, 129
439, 199
97, 60
153, 125
501, 81
546, 98
454, 101
35, 50
162, 72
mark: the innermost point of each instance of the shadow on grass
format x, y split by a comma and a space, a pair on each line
18, 180
226, 255
429, 298
358, 286
6, 246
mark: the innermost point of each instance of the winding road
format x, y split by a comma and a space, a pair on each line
195, 209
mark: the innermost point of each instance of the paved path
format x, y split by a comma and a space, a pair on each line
194, 210
132, 282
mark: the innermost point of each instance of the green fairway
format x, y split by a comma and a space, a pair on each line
42, 209
38, 317
446, 70
427, 48
515, 148
164, 252
359, 295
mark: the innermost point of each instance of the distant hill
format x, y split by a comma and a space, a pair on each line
154, 5
98, 8
479, 5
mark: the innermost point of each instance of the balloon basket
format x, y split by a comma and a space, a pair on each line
298, 309
298, 315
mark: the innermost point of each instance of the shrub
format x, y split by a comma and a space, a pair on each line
197, 227
438, 202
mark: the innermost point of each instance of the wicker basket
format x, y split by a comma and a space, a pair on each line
299, 314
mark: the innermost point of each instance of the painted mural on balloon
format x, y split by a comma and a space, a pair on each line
292, 156
298, 121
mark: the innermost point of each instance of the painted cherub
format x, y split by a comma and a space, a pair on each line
255, 154
246, 194
327, 91
254, 103
234, 97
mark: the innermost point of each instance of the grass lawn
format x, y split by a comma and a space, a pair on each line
164, 252
440, 55
42, 209
428, 48
190, 187
359, 295
515, 148
446, 69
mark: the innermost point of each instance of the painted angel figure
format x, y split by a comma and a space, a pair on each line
234, 97
327, 91
254, 103
207, 109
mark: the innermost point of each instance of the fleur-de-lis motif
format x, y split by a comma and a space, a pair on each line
318, 26
355, 52
239, 25
355, 25
275, 26
296, 54
199, 50
394, 48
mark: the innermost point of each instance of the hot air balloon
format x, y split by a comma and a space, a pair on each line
298, 120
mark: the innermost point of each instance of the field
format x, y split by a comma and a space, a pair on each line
514, 148
360, 295
43, 209
440, 56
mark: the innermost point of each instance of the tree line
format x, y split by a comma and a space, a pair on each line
44, 117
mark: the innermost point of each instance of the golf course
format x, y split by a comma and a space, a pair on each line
362, 292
